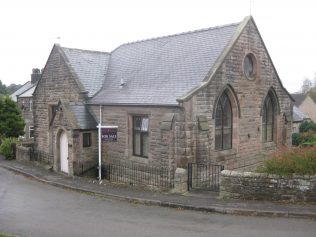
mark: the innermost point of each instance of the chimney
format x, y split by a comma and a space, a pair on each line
36, 75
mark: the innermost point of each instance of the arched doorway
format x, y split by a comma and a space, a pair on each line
63, 152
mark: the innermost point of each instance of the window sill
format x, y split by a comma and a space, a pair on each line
223, 153
139, 159
267, 145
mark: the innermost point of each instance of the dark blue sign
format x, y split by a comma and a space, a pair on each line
109, 134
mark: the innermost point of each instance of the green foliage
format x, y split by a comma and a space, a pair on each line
7, 147
286, 162
3, 89
307, 135
11, 120
7, 90
296, 139
6, 235
304, 139
307, 126
12, 88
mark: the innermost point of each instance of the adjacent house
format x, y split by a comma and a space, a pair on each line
210, 95
24, 98
306, 104
298, 118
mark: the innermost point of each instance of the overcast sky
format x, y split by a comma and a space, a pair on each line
29, 28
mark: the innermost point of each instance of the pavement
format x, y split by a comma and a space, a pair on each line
198, 200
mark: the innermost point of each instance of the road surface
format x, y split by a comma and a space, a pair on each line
31, 208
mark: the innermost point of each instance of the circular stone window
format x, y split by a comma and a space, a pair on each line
250, 66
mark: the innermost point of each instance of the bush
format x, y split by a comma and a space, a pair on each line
307, 126
296, 139
11, 120
286, 162
7, 148
304, 139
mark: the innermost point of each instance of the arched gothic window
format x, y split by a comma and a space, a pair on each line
223, 123
268, 116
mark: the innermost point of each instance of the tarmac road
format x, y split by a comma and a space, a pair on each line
31, 208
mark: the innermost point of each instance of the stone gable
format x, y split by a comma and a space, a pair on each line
57, 83
247, 146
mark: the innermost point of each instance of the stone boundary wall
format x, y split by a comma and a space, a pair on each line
23, 153
261, 186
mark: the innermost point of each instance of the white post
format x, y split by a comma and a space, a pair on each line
99, 167
99, 133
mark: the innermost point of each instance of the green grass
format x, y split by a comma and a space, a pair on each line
5, 235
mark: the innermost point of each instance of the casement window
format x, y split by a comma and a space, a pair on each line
140, 136
268, 116
86, 139
223, 123
31, 105
31, 131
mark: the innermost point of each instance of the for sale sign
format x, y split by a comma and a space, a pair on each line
109, 134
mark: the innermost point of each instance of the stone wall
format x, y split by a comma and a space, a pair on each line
163, 140
57, 83
247, 97
23, 153
257, 186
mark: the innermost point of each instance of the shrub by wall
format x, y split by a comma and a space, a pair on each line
8, 148
299, 160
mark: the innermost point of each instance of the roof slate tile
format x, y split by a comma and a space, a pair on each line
160, 70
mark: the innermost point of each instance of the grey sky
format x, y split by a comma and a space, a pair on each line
30, 28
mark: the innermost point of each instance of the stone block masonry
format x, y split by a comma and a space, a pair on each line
23, 153
261, 186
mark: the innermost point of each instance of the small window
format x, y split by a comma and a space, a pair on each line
31, 105
86, 139
250, 66
54, 110
140, 136
31, 131
23, 105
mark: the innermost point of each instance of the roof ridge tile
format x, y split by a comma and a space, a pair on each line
177, 34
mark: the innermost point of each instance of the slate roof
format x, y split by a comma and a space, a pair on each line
83, 117
90, 67
298, 115
160, 70
28, 92
299, 98
21, 90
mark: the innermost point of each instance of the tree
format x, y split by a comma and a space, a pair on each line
307, 85
7, 90
12, 88
3, 89
11, 120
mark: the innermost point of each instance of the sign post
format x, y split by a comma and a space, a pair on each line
106, 134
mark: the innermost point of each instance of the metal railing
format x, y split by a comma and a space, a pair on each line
204, 176
41, 156
136, 174
85, 168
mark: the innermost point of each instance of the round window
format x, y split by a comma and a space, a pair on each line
250, 66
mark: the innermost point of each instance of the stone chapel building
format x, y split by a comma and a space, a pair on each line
210, 95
